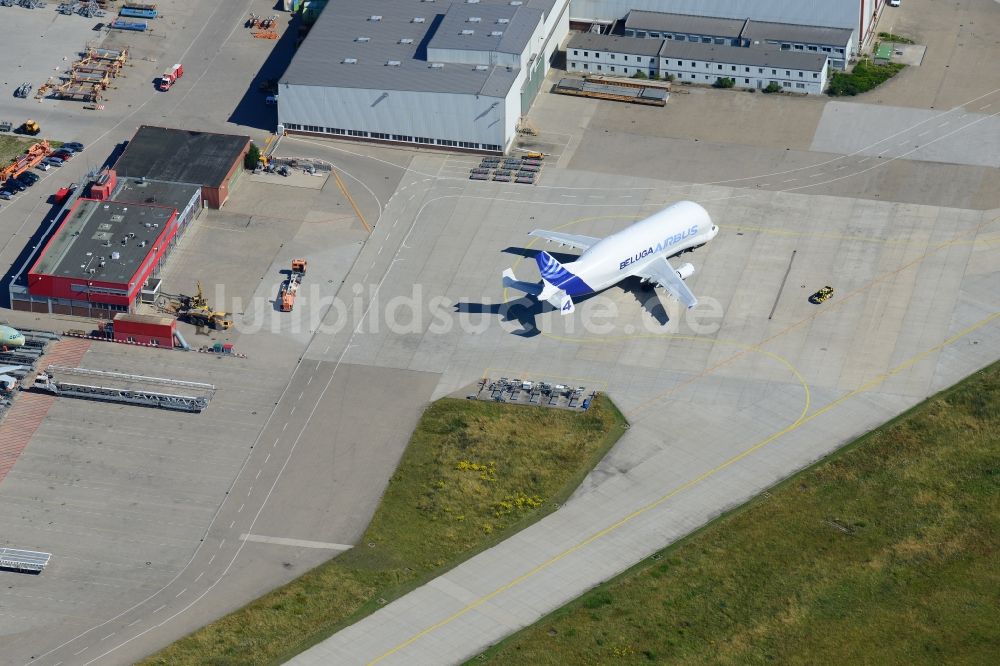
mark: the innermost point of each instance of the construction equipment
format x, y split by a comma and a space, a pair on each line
194, 310
253, 21
170, 76
30, 127
290, 287
25, 161
5, 126
824, 294
23, 90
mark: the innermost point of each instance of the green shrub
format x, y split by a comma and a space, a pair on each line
865, 76
724, 82
772, 87
899, 39
639, 74
252, 158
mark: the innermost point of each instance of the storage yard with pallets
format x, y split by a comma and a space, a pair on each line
523, 170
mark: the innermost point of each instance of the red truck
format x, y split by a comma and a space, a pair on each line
170, 76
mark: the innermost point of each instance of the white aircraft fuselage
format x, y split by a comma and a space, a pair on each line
641, 250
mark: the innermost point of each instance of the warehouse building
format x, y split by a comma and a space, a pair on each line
858, 16
835, 43
752, 67
104, 254
214, 162
454, 75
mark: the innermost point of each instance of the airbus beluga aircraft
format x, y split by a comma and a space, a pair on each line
642, 250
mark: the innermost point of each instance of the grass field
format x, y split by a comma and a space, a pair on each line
12, 145
473, 473
886, 553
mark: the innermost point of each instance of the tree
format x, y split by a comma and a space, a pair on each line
252, 158
772, 87
639, 74
724, 82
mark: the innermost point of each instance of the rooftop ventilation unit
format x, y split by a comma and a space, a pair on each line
375, 17
392, 63
472, 2
437, 65
405, 40
363, 39
419, 19
350, 61
482, 68
474, 19
468, 32
503, 21
496, 33
516, 3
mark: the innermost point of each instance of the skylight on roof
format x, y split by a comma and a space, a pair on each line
363, 39
503, 20
406, 40
482, 68
496, 33
475, 19
437, 65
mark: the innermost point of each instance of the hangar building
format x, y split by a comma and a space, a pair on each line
212, 161
456, 75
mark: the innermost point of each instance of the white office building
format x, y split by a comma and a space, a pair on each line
752, 67
456, 75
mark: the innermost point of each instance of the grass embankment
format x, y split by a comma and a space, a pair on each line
865, 76
473, 473
887, 553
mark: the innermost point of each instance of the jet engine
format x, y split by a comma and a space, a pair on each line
684, 271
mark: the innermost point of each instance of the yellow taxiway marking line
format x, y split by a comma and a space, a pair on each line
350, 199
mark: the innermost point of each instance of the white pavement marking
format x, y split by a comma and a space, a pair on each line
284, 426
944, 123
159, 609
108, 636
298, 543
258, 474
275, 442
231, 524
903, 142
864, 160
310, 380
221, 544
925, 132
292, 410
267, 458
301, 394
983, 108
790, 180
211, 560
816, 175
133, 623
180, 593
249, 491
81, 651
199, 576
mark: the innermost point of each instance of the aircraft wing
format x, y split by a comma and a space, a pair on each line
661, 272
573, 240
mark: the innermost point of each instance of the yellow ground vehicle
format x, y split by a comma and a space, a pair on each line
30, 127
824, 294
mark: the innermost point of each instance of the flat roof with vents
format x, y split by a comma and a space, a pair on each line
333, 40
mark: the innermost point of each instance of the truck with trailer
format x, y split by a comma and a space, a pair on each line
170, 76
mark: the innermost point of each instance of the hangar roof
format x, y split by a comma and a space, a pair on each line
473, 27
382, 45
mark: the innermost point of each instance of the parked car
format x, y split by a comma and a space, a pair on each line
64, 155
13, 185
43, 166
271, 100
53, 161
28, 178
66, 149
75, 146
5, 195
